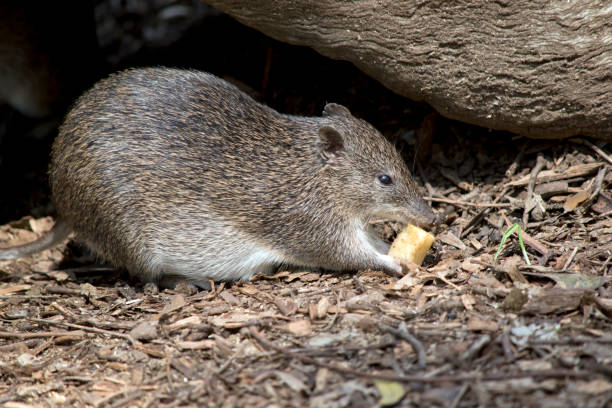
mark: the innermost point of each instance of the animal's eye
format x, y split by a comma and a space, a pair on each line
385, 179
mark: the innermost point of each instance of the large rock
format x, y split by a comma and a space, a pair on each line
540, 68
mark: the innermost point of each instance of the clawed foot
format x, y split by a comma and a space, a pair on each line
391, 265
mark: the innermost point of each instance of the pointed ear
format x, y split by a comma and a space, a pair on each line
330, 145
335, 109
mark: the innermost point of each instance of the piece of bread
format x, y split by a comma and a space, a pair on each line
411, 244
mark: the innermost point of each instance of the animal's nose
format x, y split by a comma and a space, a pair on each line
426, 216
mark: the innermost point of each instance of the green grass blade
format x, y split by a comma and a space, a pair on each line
508, 232
520, 236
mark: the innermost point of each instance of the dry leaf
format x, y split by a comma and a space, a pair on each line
572, 201
450, 239
574, 280
299, 327
391, 392
407, 282
557, 300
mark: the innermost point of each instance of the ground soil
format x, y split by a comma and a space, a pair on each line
462, 330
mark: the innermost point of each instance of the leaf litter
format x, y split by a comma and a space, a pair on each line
457, 331
460, 331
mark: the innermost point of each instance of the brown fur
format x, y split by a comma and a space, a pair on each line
177, 174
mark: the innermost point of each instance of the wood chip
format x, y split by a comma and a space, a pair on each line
553, 175
557, 301
299, 327
196, 345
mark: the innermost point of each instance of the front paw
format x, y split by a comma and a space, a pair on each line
391, 265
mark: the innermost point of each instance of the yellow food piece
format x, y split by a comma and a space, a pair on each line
411, 244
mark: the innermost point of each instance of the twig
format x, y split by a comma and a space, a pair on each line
571, 258
419, 378
605, 265
460, 395
597, 150
529, 240
87, 328
402, 333
507, 346
475, 348
551, 175
480, 216
337, 314
512, 168
532, 179
35, 335
467, 203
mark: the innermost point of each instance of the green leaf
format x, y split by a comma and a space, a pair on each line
391, 392
509, 231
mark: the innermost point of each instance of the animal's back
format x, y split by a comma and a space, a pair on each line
149, 157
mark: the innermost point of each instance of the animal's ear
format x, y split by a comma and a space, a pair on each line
331, 145
335, 109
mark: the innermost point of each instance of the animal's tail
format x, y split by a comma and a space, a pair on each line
58, 233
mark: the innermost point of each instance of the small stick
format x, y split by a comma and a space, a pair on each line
467, 203
597, 150
507, 345
532, 179
570, 259
24, 336
529, 240
512, 168
578, 170
605, 265
335, 318
402, 333
87, 328
475, 348
459, 396
480, 216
